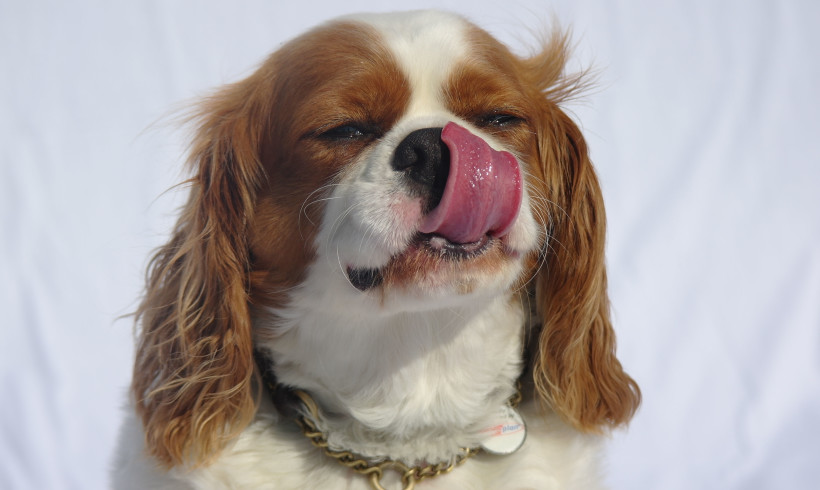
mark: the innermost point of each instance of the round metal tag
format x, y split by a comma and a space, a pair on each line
508, 435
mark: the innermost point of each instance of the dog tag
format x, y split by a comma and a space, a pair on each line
507, 435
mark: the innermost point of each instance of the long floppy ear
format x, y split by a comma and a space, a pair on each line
193, 374
575, 368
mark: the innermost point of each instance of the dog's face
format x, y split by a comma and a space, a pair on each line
375, 165
404, 168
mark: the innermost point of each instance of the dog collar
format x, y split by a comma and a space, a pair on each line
303, 409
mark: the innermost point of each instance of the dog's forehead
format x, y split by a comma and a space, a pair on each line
426, 45
424, 35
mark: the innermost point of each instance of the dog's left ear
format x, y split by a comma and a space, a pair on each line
193, 381
575, 368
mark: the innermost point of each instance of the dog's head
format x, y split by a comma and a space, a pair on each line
381, 164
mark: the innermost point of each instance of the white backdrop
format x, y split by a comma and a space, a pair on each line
704, 128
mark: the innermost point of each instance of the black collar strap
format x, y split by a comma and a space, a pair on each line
283, 397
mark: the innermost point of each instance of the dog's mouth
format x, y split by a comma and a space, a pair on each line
429, 244
476, 208
455, 251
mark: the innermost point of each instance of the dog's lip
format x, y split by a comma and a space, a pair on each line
440, 244
366, 278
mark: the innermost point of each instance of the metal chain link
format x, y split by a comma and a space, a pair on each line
374, 470
410, 475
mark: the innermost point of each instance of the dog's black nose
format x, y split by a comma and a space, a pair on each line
426, 161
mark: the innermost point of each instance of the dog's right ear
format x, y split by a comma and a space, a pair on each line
194, 369
575, 369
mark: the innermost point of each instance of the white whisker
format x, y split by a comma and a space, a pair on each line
307, 203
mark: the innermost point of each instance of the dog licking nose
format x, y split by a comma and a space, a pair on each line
482, 193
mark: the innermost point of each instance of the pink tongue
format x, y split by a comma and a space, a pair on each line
483, 190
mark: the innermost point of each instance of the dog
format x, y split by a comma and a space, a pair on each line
389, 272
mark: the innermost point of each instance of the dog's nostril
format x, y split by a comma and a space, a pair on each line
409, 156
426, 160
421, 151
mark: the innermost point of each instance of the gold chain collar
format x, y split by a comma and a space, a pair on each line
410, 475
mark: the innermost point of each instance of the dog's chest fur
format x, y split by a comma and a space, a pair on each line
274, 454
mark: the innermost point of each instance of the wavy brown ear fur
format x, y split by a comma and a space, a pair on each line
575, 368
193, 374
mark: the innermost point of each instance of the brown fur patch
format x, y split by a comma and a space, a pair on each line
243, 237
575, 369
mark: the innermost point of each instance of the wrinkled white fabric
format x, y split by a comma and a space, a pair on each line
703, 126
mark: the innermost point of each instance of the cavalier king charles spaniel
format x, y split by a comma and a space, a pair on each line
389, 273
